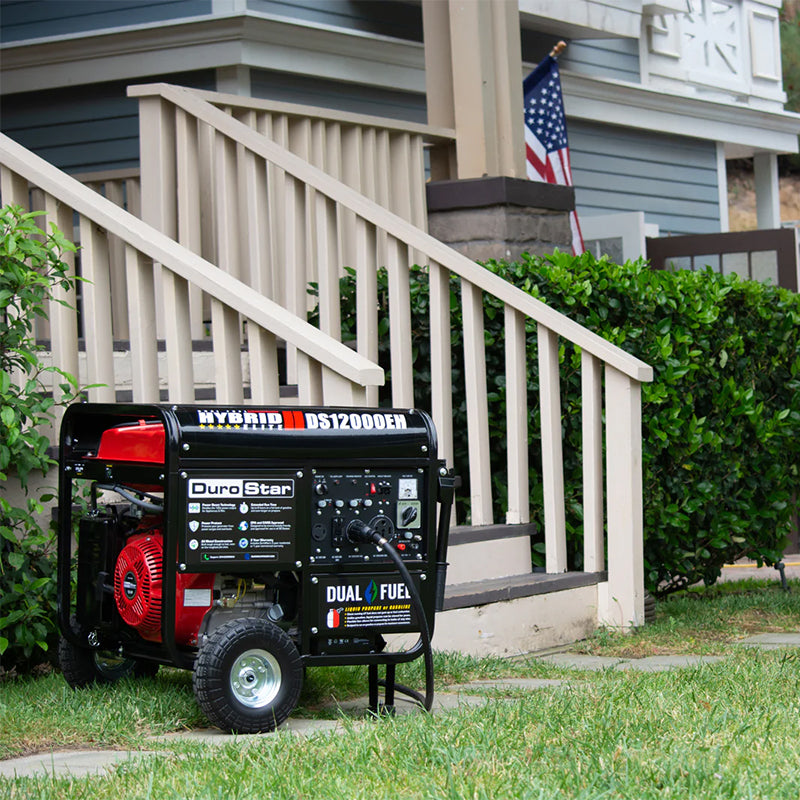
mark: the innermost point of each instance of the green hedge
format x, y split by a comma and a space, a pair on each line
31, 267
721, 421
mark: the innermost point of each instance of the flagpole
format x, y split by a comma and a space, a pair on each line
558, 49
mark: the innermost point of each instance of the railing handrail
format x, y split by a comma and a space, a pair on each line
430, 133
188, 265
401, 230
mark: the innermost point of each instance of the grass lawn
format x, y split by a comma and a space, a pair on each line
725, 729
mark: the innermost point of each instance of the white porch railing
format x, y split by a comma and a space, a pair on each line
265, 194
328, 372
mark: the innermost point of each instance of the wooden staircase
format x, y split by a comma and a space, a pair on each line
240, 251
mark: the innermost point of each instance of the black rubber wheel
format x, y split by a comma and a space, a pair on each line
247, 676
83, 667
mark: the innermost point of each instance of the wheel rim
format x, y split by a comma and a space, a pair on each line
255, 678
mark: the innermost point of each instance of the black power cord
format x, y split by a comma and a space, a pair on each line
358, 531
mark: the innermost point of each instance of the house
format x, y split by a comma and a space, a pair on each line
300, 145
658, 95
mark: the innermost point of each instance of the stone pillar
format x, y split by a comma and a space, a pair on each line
500, 217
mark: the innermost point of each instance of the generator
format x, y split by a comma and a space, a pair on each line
246, 544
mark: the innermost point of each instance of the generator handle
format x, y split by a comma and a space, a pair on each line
447, 485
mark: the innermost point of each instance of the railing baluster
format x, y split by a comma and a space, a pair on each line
142, 314
552, 461
97, 313
276, 127
158, 174
592, 424
419, 203
624, 605
366, 298
382, 193
178, 338
441, 359
399, 189
480, 479
516, 363
330, 320
338, 391
295, 244
63, 318
208, 207
352, 172
261, 344
262, 347
400, 328
189, 199
116, 254
133, 196
309, 381
225, 322
14, 190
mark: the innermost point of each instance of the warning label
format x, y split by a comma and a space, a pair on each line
240, 519
349, 602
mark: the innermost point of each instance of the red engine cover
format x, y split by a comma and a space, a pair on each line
142, 441
138, 591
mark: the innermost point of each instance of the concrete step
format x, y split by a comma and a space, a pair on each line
498, 590
487, 552
203, 368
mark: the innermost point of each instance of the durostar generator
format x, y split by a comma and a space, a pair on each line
245, 544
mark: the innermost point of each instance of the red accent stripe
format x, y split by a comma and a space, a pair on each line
299, 419
288, 419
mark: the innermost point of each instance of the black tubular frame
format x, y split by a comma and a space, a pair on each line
189, 446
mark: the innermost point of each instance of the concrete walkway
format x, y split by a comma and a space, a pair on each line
77, 763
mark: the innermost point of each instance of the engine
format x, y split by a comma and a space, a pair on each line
138, 590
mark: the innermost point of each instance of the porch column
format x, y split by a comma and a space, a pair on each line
479, 199
768, 203
473, 66
234, 80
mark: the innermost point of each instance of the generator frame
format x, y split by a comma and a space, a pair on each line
281, 445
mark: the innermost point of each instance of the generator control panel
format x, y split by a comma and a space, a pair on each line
389, 501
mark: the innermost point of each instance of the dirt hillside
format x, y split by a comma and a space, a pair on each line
742, 200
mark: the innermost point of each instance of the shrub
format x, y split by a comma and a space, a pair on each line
721, 421
31, 266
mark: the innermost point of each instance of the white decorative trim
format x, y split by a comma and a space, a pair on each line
583, 19
259, 41
639, 107
765, 45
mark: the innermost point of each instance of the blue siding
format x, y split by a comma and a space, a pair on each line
600, 58
86, 128
31, 19
604, 58
672, 179
340, 96
399, 19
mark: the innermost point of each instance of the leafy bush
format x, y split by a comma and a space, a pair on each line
721, 421
31, 266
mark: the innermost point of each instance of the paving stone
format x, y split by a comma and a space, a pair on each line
772, 641
661, 663
580, 661
507, 683
76, 763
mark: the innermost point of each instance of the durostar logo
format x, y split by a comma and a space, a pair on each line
371, 592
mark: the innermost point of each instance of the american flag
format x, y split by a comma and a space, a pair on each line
546, 148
